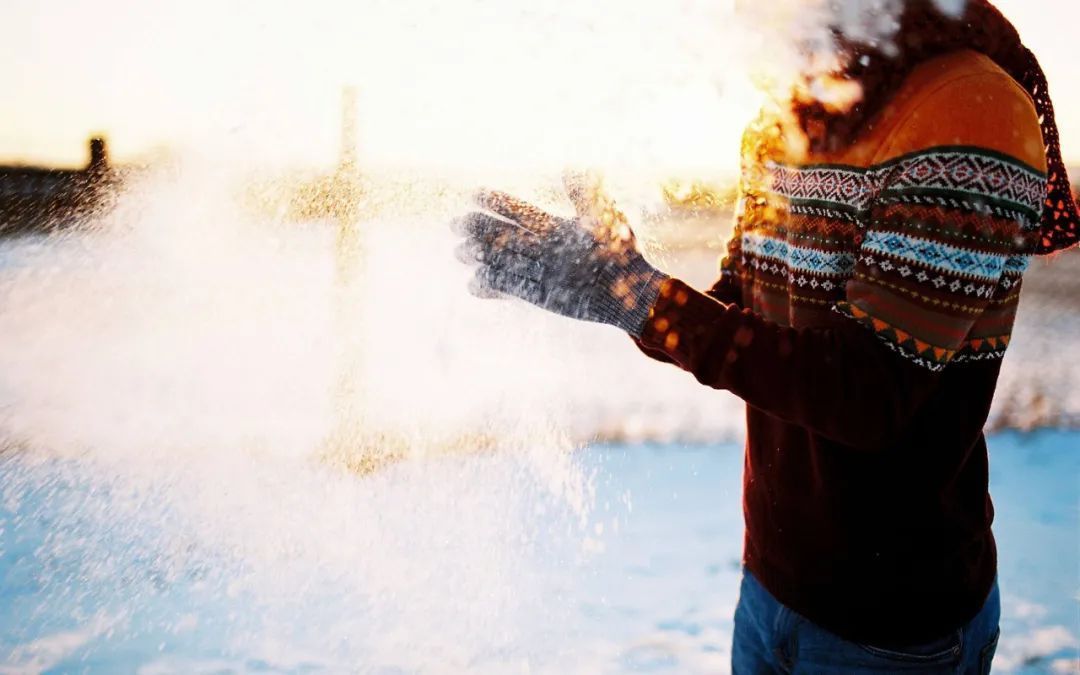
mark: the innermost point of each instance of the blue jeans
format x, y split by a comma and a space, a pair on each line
770, 638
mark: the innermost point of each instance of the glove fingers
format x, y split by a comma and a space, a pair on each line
490, 236
479, 288
514, 265
477, 224
585, 192
469, 252
519, 211
509, 274
487, 229
489, 282
596, 208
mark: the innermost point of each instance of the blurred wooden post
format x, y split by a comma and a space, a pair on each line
355, 442
345, 195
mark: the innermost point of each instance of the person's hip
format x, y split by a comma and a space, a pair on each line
769, 637
843, 585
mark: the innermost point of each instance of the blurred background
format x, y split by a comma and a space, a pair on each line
250, 420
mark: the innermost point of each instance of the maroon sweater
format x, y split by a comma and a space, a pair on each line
862, 313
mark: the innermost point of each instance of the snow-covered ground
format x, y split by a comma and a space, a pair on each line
452, 565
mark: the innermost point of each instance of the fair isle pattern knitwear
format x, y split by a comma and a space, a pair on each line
939, 233
862, 310
925, 31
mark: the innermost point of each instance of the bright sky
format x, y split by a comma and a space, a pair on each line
445, 83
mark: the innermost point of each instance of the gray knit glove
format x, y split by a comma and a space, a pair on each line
587, 268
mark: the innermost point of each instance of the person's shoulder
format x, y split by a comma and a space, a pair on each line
958, 65
964, 99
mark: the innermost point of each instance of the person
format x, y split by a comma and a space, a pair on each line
863, 308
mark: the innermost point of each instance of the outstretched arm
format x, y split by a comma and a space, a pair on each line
840, 382
934, 283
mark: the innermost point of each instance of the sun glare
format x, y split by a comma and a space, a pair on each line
462, 85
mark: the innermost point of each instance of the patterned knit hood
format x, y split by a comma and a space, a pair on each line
925, 32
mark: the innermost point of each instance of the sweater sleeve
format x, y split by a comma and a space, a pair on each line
937, 249
727, 290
